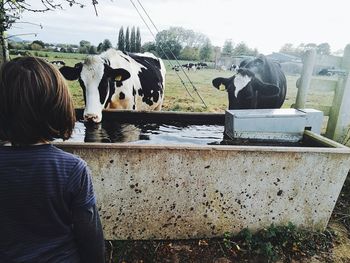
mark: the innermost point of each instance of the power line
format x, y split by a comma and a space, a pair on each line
183, 83
193, 86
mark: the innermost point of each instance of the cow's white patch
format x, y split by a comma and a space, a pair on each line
91, 75
240, 82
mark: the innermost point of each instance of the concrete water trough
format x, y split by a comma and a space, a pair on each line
181, 191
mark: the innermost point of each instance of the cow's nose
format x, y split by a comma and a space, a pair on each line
91, 118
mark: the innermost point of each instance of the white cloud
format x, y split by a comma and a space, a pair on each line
265, 25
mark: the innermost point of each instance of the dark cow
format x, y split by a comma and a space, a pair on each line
258, 84
119, 80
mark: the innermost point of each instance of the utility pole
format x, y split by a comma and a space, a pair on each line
4, 56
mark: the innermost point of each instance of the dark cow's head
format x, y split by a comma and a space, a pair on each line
246, 91
259, 83
98, 80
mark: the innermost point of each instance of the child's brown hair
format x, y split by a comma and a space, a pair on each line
35, 103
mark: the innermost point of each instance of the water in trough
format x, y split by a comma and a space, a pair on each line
148, 133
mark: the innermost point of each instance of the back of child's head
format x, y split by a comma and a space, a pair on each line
35, 104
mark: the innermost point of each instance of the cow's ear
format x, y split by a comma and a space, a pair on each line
119, 74
220, 83
71, 73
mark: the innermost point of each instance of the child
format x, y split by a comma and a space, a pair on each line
47, 211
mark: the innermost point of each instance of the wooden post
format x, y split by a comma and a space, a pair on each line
305, 79
339, 117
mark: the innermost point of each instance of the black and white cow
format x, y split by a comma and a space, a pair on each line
258, 84
189, 66
119, 80
176, 68
58, 63
201, 65
233, 68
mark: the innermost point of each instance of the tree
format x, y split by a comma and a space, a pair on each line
324, 49
70, 49
121, 40
168, 48
168, 44
186, 38
106, 44
100, 48
133, 40
138, 40
206, 51
84, 43
35, 46
242, 49
10, 12
39, 43
287, 49
127, 40
310, 46
227, 49
92, 50
149, 47
189, 53
84, 47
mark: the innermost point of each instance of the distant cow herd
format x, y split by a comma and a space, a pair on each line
190, 66
127, 81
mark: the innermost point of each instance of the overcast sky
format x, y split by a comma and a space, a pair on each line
262, 24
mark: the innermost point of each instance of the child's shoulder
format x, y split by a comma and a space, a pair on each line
61, 154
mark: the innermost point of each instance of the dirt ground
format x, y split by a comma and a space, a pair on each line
276, 244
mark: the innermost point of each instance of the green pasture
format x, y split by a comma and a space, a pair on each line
177, 98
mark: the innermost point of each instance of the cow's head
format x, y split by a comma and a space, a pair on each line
245, 89
98, 80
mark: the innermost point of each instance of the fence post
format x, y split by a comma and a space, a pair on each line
303, 83
339, 117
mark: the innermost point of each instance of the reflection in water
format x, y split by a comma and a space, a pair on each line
150, 133
111, 132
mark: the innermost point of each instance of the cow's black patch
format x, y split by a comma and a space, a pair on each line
133, 107
145, 60
125, 57
103, 88
106, 61
147, 100
82, 85
118, 83
151, 83
133, 91
121, 96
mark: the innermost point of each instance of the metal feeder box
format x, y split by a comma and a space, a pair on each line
285, 125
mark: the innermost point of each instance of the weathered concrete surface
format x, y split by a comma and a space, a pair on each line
159, 192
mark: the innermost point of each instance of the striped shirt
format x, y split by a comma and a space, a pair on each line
40, 186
